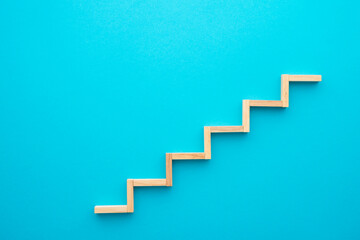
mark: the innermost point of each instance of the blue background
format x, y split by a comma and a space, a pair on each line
95, 92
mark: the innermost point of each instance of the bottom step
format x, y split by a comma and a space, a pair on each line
111, 209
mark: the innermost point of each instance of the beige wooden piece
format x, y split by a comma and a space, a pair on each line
246, 115
130, 195
131, 183
149, 182
226, 129
285, 90
111, 209
183, 156
265, 103
207, 142
304, 78
169, 169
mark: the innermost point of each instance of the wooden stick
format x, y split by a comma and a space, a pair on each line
207, 142
285, 90
183, 156
169, 169
130, 195
149, 182
111, 209
226, 129
246, 115
265, 103
305, 78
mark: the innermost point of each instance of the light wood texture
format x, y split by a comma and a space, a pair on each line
226, 129
207, 142
168, 169
131, 183
265, 103
111, 209
184, 156
285, 90
130, 195
305, 78
246, 115
149, 182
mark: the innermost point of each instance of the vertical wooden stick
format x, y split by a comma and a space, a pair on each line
169, 169
130, 195
246, 115
285, 90
207, 142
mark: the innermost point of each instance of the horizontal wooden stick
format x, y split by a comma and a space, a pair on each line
265, 103
149, 182
226, 129
111, 209
183, 156
305, 78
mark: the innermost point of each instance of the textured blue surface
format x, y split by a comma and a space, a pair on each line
95, 92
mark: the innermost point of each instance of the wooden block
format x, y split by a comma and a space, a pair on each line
149, 182
246, 115
285, 90
305, 78
169, 169
183, 156
207, 142
265, 103
226, 129
111, 209
130, 195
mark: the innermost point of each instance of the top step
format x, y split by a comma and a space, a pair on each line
304, 78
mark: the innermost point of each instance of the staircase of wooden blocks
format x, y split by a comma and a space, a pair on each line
245, 127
